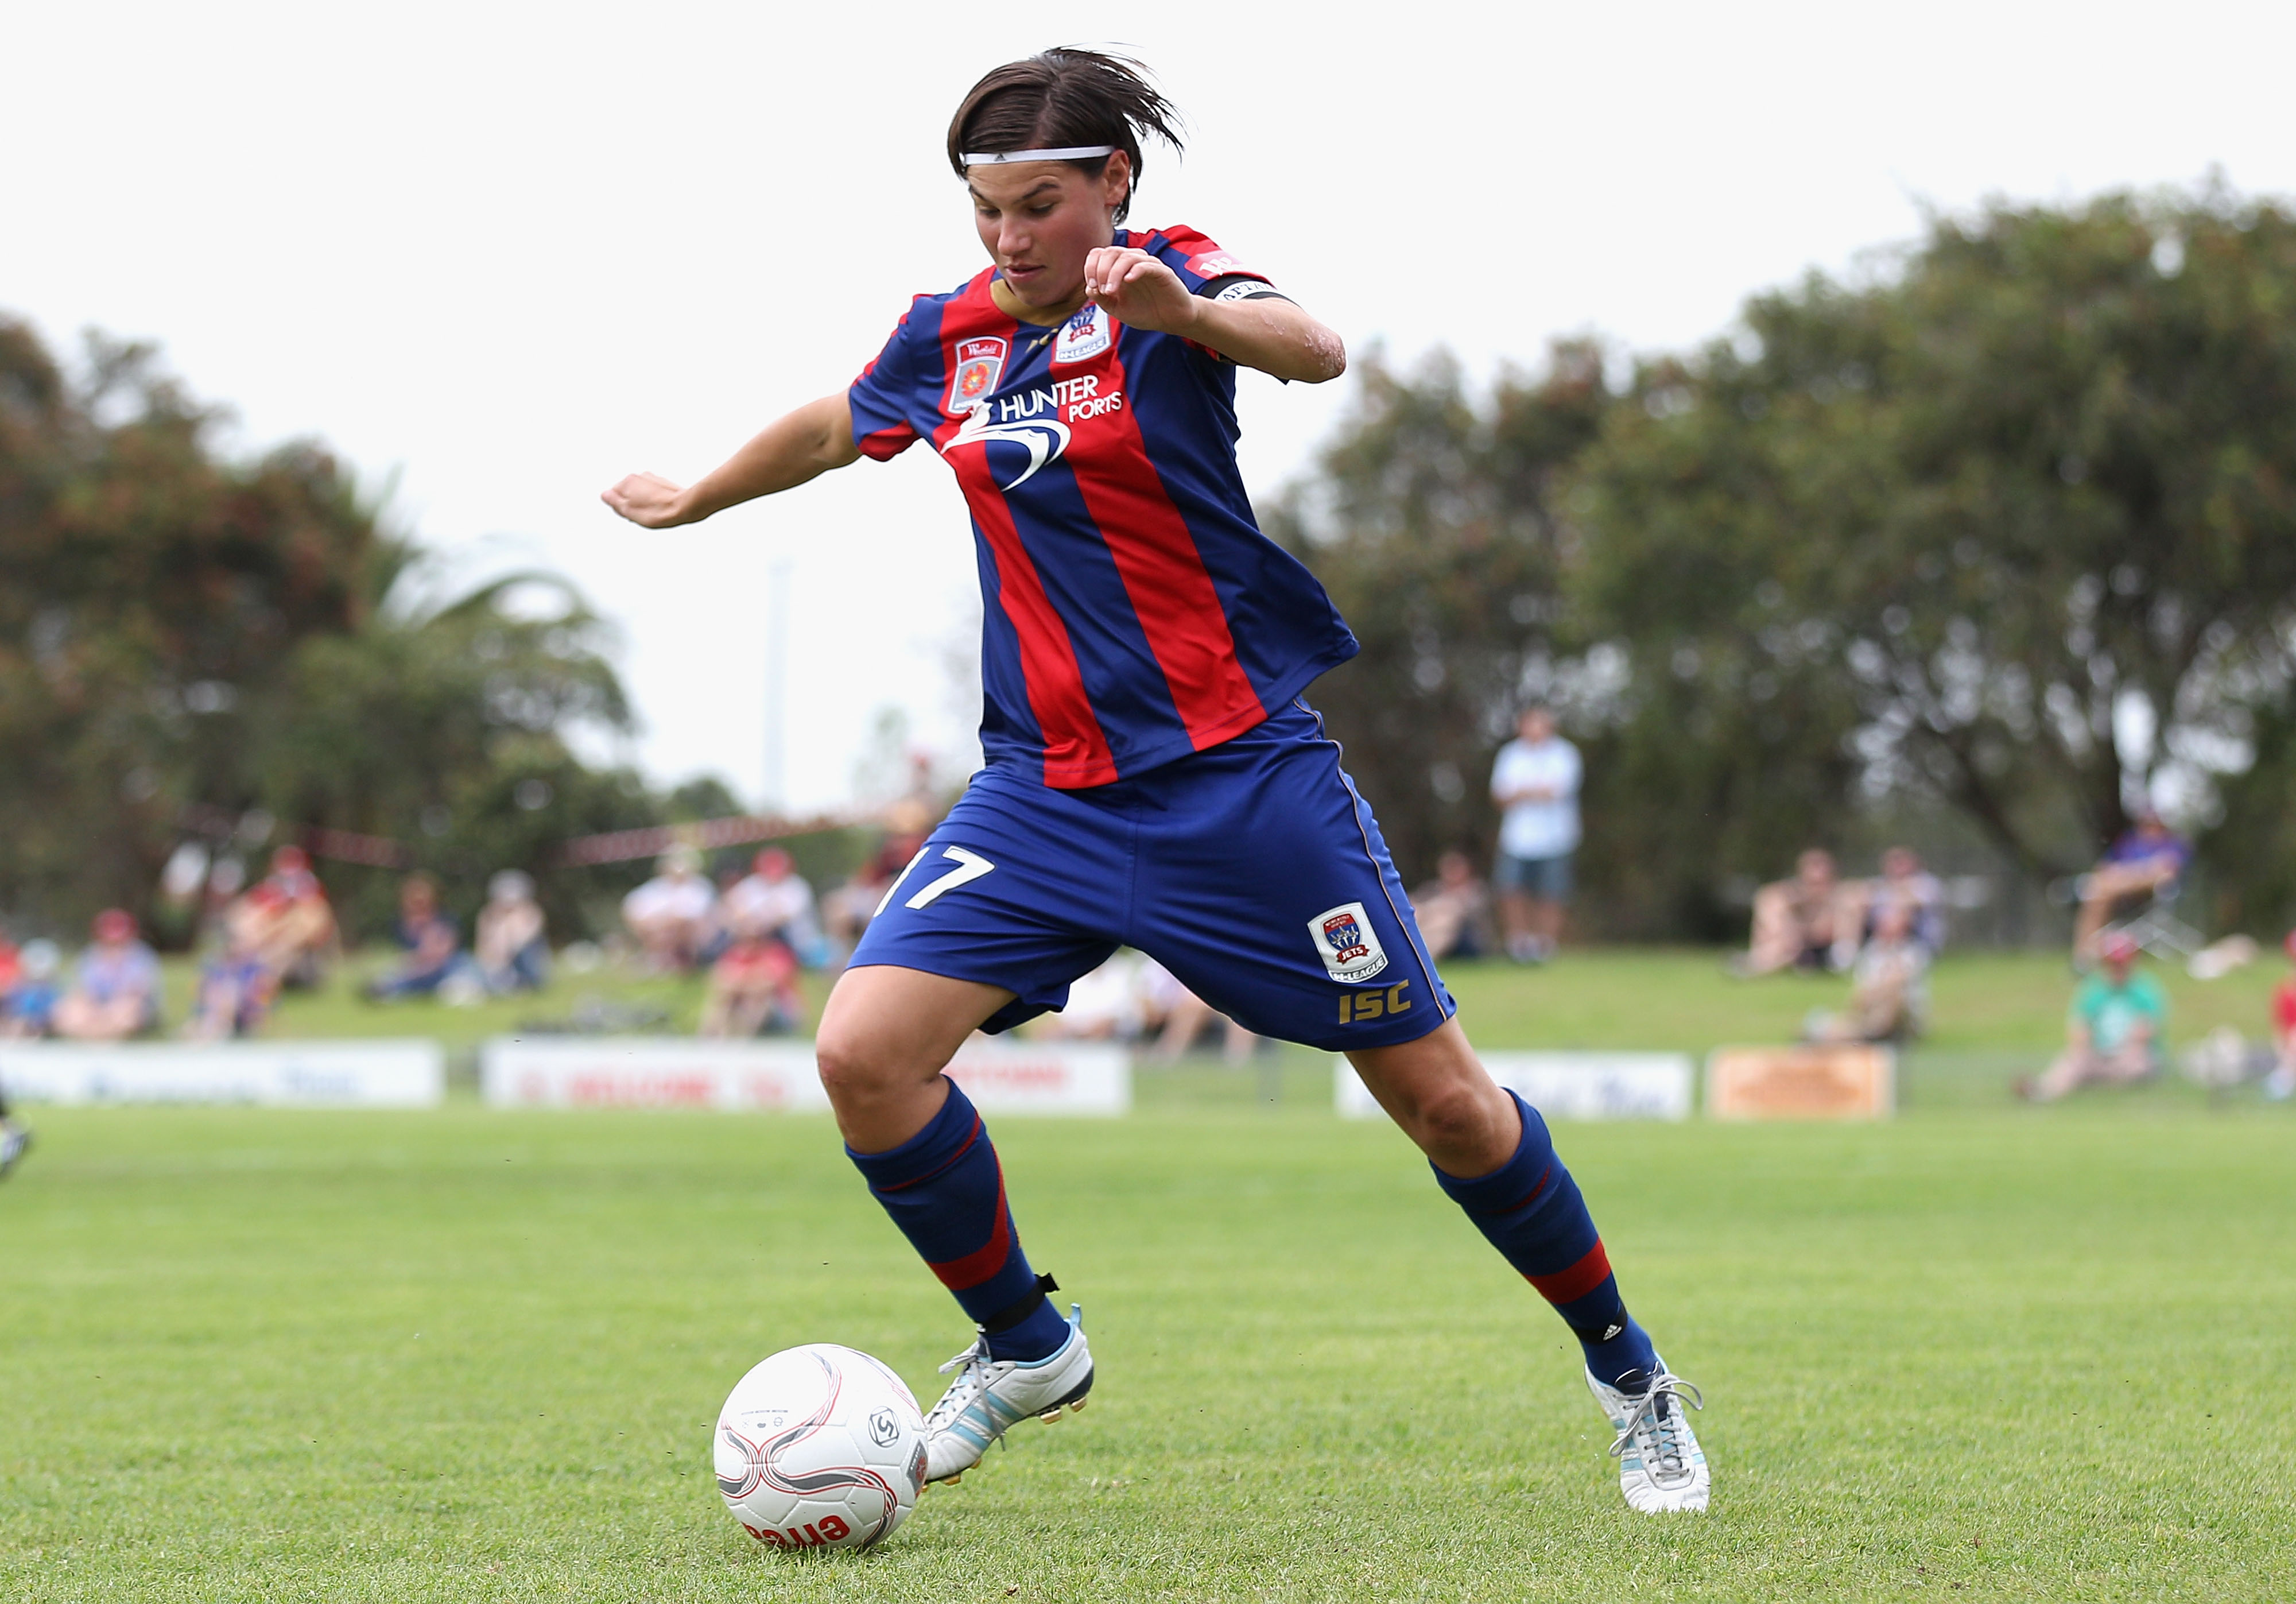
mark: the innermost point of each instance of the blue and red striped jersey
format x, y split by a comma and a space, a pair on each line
1133, 612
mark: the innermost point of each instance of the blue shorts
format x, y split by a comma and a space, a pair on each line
1253, 871
1546, 878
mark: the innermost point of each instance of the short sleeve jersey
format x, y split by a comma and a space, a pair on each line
2113, 1012
1133, 612
1538, 829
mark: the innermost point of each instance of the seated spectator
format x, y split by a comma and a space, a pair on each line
2147, 857
1810, 921
2280, 1083
1904, 884
773, 900
846, 912
672, 915
1102, 1006
235, 992
753, 989
430, 944
1179, 1017
2116, 1032
1888, 990
115, 989
284, 920
513, 949
27, 1007
1454, 910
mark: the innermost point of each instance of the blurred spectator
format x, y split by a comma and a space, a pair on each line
235, 992
753, 989
1809, 922
846, 911
1888, 990
1179, 1017
2146, 858
2115, 1033
28, 1006
672, 915
1535, 780
1455, 909
513, 949
285, 921
1905, 884
2282, 1081
430, 944
773, 901
115, 989
1103, 1006
15, 1137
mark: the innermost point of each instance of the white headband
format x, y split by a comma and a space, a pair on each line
1067, 152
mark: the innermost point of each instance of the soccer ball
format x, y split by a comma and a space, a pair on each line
820, 1447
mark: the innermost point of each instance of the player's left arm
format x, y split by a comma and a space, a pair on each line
1266, 331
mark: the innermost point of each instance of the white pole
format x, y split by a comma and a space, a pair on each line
777, 578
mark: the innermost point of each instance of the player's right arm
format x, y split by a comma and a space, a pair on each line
786, 452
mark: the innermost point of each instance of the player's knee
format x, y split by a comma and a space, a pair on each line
853, 1066
1454, 1115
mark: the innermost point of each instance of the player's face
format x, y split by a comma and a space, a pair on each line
1039, 219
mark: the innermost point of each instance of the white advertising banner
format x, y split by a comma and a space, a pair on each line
1564, 1086
673, 1072
405, 1074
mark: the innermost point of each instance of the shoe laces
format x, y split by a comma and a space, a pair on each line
974, 1371
1657, 1416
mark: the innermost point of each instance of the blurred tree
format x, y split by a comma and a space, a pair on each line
1431, 524
183, 635
2015, 524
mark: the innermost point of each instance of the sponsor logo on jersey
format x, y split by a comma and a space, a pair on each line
1044, 439
1084, 336
1036, 421
1346, 943
1212, 264
980, 364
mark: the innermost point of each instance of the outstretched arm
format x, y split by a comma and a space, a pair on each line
786, 452
1269, 332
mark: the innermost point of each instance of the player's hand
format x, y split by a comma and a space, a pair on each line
1138, 291
647, 499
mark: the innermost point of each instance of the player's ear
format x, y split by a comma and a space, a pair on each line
1116, 181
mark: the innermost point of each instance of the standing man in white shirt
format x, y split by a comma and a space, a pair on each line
1536, 784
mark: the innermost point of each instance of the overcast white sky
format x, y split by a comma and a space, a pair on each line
511, 252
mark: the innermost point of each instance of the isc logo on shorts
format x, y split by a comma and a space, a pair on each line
1348, 944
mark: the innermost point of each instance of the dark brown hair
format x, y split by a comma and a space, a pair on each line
1064, 97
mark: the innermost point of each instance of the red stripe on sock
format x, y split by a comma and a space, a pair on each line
1568, 1286
959, 1274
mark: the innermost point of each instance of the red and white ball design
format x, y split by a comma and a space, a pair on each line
820, 1447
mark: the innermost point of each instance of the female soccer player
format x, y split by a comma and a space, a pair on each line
1153, 779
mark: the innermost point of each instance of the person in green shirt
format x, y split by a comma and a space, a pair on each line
2114, 1031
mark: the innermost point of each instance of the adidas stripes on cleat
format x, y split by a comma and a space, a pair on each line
989, 1396
1661, 1466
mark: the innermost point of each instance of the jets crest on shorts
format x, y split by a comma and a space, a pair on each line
1348, 944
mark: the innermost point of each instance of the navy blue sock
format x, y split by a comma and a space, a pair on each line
945, 1189
1531, 1210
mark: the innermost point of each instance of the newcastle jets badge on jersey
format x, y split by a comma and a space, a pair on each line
1348, 945
1084, 336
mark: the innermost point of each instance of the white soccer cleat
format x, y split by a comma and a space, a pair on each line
989, 1396
1661, 1466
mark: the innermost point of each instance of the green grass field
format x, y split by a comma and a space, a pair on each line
1980, 1350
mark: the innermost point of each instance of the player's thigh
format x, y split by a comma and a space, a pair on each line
1017, 889
1265, 887
884, 1026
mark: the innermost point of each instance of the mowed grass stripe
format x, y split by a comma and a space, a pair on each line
2041, 1354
